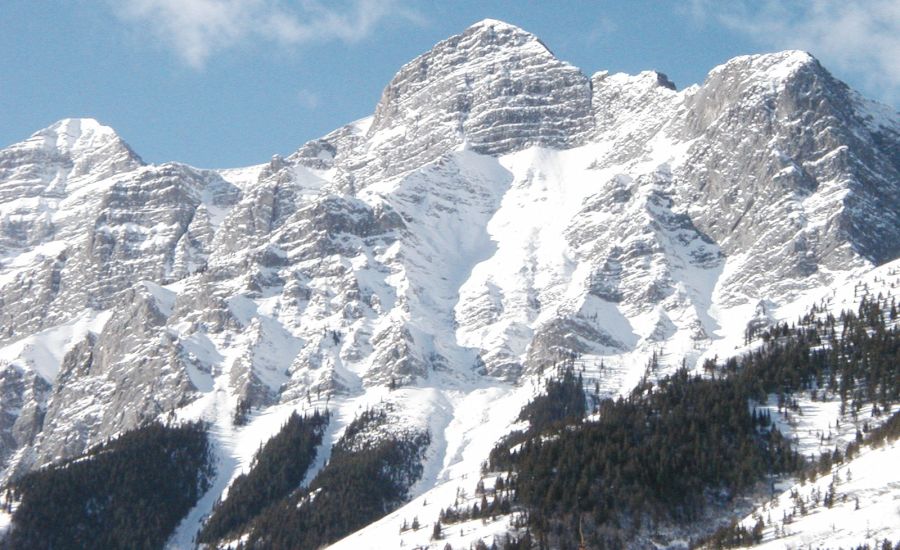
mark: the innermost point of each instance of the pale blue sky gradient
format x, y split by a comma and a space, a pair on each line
275, 73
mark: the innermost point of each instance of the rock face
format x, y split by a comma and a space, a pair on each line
809, 156
495, 87
499, 211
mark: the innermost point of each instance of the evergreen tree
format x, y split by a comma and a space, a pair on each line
128, 493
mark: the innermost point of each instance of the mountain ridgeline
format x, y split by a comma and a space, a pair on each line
414, 273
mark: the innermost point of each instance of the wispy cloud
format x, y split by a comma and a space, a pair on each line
861, 38
308, 99
198, 29
603, 29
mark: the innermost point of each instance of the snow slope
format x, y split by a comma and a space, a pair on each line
865, 509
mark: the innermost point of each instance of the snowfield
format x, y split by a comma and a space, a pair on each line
865, 509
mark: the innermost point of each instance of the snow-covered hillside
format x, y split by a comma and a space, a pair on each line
817, 425
500, 210
855, 504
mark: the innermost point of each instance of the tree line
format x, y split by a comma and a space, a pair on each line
278, 469
130, 492
364, 479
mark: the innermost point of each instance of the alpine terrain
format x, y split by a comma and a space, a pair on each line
334, 347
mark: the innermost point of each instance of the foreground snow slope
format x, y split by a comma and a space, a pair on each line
865, 508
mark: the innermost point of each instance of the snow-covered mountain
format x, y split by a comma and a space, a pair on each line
500, 210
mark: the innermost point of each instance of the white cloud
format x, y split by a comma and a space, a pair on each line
308, 99
861, 38
602, 30
198, 29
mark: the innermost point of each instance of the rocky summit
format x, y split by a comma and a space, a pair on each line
499, 212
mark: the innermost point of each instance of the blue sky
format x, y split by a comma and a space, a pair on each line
220, 83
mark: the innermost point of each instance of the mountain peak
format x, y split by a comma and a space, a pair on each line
487, 41
76, 135
775, 66
496, 33
84, 137
79, 125
488, 22
494, 86
494, 25
80, 146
